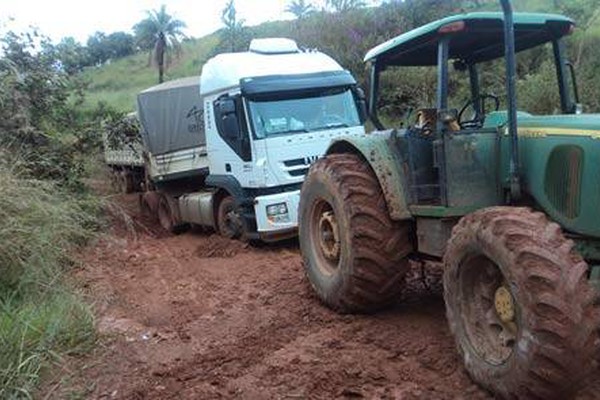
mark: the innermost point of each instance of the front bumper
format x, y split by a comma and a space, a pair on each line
286, 224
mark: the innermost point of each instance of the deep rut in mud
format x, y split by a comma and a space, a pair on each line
197, 316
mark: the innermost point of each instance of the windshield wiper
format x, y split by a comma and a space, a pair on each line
304, 130
300, 130
337, 125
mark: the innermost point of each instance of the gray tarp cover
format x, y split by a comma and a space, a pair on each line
171, 115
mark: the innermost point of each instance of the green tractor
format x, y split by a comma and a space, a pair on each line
509, 202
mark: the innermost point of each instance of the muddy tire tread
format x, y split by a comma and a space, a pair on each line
562, 308
376, 263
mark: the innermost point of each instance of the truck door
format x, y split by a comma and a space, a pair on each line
234, 157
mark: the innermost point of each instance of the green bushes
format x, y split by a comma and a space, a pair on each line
47, 142
40, 316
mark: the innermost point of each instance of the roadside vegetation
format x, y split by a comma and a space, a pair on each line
46, 213
41, 317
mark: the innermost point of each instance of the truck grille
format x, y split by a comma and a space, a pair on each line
563, 180
298, 166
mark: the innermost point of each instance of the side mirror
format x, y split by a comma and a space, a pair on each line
361, 103
225, 106
225, 110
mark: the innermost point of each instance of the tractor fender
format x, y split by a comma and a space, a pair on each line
379, 150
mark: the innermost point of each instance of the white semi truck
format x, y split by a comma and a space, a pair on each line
230, 150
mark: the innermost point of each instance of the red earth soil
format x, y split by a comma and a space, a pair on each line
197, 316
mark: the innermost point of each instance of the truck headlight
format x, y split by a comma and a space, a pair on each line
278, 213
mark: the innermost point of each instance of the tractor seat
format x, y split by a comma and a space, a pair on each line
426, 122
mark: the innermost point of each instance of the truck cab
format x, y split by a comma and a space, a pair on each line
267, 114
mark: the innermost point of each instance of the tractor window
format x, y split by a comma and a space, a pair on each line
537, 86
408, 93
403, 91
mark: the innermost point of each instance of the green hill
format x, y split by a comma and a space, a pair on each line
117, 83
347, 37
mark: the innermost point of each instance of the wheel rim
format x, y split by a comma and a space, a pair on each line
164, 216
232, 222
145, 207
489, 311
121, 183
324, 224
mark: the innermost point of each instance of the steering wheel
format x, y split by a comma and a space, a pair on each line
477, 120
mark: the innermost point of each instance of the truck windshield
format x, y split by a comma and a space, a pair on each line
321, 111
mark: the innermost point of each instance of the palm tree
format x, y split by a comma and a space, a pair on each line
300, 8
160, 33
234, 27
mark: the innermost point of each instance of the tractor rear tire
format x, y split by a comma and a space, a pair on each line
355, 256
523, 315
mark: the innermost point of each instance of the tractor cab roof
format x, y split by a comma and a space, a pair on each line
474, 37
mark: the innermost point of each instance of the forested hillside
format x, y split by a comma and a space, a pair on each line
348, 35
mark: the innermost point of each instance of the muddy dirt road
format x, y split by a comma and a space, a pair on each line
197, 316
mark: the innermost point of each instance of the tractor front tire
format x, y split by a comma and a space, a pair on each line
355, 256
524, 317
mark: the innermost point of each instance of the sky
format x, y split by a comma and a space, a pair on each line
81, 18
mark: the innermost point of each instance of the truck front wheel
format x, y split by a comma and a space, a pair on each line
519, 305
229, 219
355, 256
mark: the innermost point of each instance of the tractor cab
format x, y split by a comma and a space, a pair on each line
454, 153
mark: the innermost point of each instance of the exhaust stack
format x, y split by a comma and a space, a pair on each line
511, 77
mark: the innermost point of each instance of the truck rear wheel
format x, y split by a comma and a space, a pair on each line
229, 220
148, 203
518, 302
168, 215
123, 181
355, 256
128, 182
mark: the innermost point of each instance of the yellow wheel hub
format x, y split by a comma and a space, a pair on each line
505, 304
330, 241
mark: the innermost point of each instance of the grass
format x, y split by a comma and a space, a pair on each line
41, 318
117, 83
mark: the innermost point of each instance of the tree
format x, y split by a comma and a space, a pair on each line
41, 118
160, 33
119, 44
97, 52
234, 27
300, 8
72, 55
102, 47
345, 5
